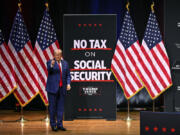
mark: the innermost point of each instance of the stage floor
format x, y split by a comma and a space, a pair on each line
35, 125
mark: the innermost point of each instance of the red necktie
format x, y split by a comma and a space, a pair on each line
60, 83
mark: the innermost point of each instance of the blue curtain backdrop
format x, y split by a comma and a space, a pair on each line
32, 11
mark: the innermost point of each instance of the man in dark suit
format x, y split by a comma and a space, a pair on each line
58, 82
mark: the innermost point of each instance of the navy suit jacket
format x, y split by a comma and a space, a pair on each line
53, 78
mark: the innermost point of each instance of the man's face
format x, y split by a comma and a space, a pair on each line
57, 55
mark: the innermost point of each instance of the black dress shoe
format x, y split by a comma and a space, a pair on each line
54, 129
62, 128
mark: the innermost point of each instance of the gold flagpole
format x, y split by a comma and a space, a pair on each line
128, 103
47, 6
127, 6
153, 107
22, 120
128, 116
46, 119
19, 5
152, 7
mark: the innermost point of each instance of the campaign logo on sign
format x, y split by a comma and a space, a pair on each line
177, 45
177, 109
90, 91
178, 88
176, 65
178, 24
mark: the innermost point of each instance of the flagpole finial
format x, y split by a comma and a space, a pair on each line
19, 5
47, 5
127, 6
152, 7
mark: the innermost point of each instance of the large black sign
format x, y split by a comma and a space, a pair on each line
172, 42
89, 43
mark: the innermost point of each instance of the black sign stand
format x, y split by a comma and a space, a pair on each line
88, 46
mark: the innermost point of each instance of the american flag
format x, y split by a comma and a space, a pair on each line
45, 45
7, 81
21, 55
155, 70
123, 64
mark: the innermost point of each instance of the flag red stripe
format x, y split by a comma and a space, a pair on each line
57, 44
129, 69
4, 87
40, 77
163, 54
142, 77
153, 67
146, 69
9, 66
39, 74
7, 76
124, 73
22, 74
23, 89
28, 72
1, 96
19, 97
28, 69
161, 66
34, 65
46, 55
51, 49
41, 63
139, 71
120, 80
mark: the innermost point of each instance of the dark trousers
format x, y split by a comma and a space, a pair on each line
56, 108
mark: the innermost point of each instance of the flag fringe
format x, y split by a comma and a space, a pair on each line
46, 104
11, 91
153, 98
23, 105
123, 88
